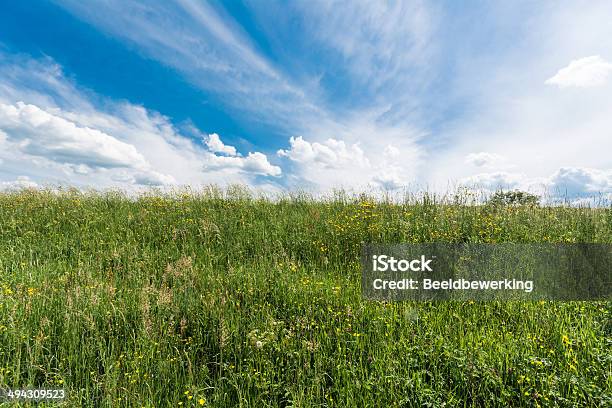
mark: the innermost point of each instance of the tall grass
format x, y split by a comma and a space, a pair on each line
225, 299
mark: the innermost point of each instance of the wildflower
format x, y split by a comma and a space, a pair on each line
565, 340
201, 401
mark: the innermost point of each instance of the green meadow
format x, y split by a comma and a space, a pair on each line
224, 298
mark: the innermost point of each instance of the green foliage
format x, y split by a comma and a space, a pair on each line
229, 299
513, 198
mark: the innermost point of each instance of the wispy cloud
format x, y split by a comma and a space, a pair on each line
388, 94
383, 44
228, 34
208, 49
385, 57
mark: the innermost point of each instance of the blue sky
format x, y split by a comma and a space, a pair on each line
307, 95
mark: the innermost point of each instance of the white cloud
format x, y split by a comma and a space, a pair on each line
331, 154
52, 131
215, 145
153, 178
206, 46
258, 163
255, 163
17, 184
576, 182
394, 71
230, 36
584, 72
390, 49
484, 159
570, 182
336, 163
37, 132
387, 61
495, 180
392, 152
508, 110
388, 181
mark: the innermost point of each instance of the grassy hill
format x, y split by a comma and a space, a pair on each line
225, 299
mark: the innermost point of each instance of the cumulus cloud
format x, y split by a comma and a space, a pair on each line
338, 163
584, 72
17, 184
255, 163
332, 153
484, 159
495, 180
388, 181
40, 133
576, 182
569, 182
258, 163
153, 178
214, 144
50, 130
